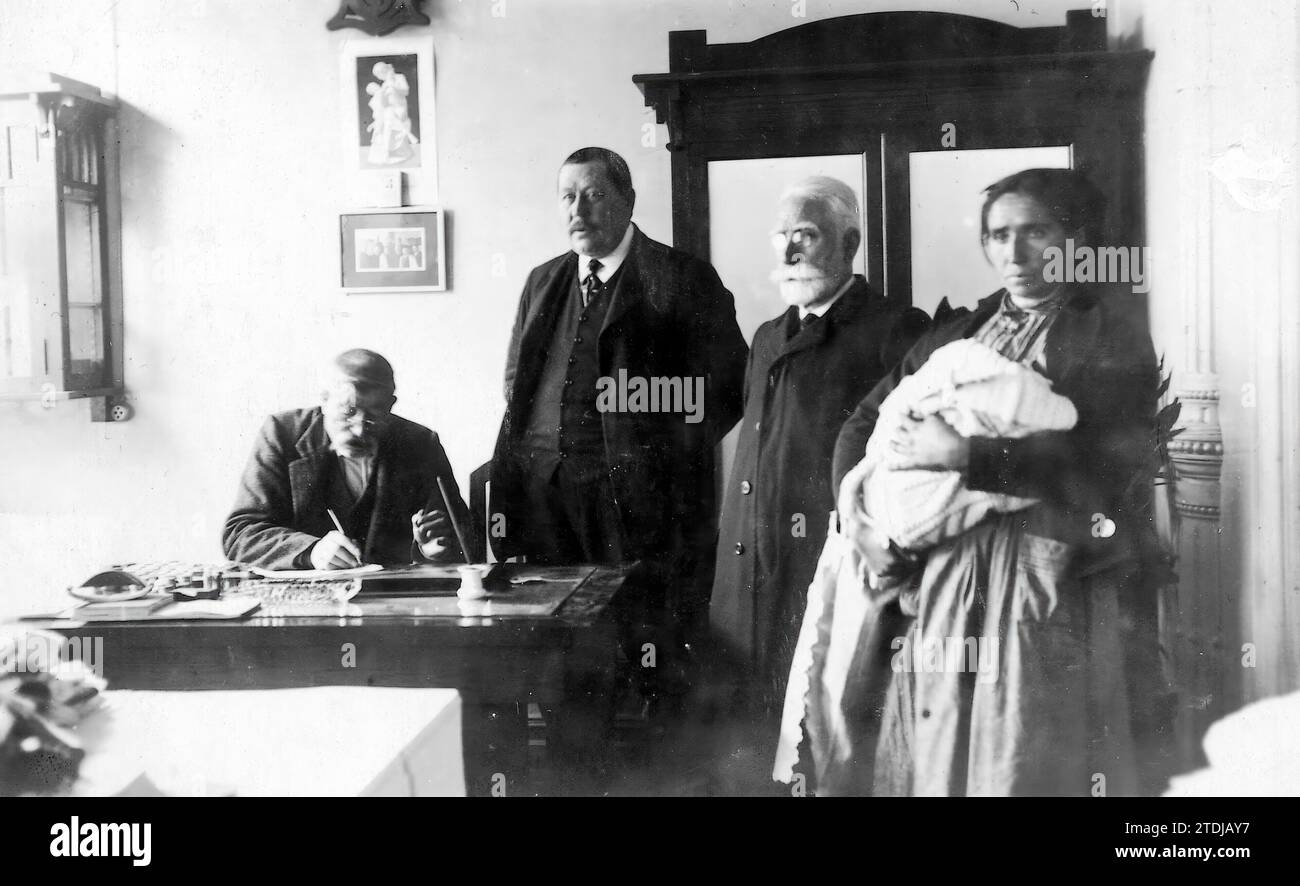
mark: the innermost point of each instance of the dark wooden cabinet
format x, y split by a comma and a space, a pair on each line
887, 85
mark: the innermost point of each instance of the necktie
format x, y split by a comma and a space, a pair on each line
807, 320
591, 284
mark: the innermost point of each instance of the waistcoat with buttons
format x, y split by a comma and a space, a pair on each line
564, 421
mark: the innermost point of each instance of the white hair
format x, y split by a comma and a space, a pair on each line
834, 194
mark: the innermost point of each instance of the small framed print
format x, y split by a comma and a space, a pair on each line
387, 250
387, 104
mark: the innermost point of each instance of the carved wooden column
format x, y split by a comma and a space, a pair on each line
1193, 612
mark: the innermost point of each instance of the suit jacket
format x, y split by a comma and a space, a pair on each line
669, 315
777, 502
280, 509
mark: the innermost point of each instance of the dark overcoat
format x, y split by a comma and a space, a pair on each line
776, 505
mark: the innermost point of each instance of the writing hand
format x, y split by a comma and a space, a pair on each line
335, 551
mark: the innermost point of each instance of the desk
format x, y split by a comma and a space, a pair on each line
497, 663
322, 742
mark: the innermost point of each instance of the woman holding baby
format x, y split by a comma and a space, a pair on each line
1037, 588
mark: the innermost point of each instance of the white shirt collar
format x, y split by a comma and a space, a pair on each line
608, 263
825, 306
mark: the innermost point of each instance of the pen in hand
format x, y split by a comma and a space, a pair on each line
336, 556
334, 518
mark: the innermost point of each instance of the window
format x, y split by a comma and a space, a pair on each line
60, 317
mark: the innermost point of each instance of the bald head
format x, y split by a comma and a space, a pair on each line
365, 369
356, 400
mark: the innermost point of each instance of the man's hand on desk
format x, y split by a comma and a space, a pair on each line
335, 551
432, 533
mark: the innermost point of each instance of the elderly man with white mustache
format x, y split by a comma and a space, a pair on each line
808, 368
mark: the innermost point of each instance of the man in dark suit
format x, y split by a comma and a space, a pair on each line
808, 369
588, 470
583, 474
377, 472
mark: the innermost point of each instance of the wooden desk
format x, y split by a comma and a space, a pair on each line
498, 664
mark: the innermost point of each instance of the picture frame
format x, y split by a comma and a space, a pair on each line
393, 250
387, 112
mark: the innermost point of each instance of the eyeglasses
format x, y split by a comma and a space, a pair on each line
356, 418
800, 237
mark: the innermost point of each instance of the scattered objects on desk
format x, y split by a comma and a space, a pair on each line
215, 580
183, 579
42, 697
113, 585
513, 589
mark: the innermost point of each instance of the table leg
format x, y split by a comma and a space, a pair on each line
495, 738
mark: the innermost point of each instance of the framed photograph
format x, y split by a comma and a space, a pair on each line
393, 250
387, 111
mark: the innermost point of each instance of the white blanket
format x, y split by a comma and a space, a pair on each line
980, 394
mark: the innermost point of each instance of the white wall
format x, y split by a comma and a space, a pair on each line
230, 170
1223, 218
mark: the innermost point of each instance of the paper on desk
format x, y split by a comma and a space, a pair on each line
224, 608
318, 573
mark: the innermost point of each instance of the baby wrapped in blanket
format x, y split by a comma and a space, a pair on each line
979, 393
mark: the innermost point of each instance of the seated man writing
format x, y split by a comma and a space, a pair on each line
352, 459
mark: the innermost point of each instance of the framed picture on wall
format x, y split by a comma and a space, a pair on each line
387, 111
393, 250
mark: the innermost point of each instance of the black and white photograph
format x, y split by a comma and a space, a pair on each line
832, 398
393, 251
384, 249
386, 114
388, 89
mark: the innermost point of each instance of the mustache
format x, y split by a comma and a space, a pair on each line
795, 273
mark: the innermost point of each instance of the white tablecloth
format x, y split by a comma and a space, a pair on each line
1251, 752
324, 741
